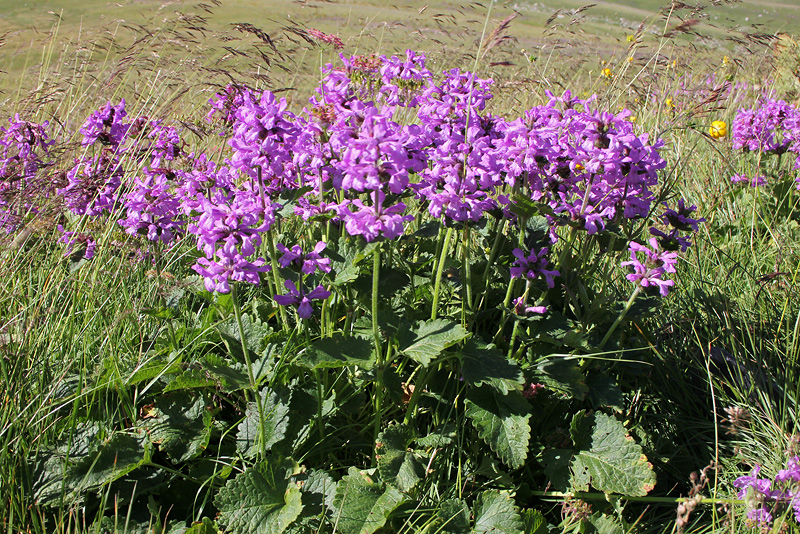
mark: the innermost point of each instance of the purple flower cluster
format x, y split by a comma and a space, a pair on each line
680, 224
22, 146
381, 141
656, 264
772, 127
307, 264
767, 497
532, 266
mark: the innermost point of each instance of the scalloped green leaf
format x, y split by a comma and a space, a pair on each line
452, 517
180, 426
427, 339
275, 410
256, 335
337, 351
483, 364
112, 460
502, 422
363, 505
396, 463
259, 501
564, 375
533, 522
614, 463
496, 513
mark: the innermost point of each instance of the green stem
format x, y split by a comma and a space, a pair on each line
237, 311
376, 333
439, 270
599, 496
273, 254
622, 315
411, 410
466, 304
516, 321
498, 232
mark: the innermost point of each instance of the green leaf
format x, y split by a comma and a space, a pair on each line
319, 491
452, 517
603, 391
206, 526
229, 376
533, 522
484, 364
523, 206
496, 513
444, 435
275, 411
606, 524
362, 505
396, 463
151, 370
180, 426
112, 460
256, 335
614, 463
259, 501
337, 351
502, 422
427, 339
191, 379
556, 467
563, 374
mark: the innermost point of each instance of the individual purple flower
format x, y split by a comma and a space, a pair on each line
92, 185
761, 486
520, 307
681, 219
791, 474
106, 125
229, 264
533, 265
151, 208
77, 241
760, 516
301, 299
657, 262
307, 263
226, 103
755, 181
20, 147
373, 221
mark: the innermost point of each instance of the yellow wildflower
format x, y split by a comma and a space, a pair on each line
718, 129
630, 38
607, 72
